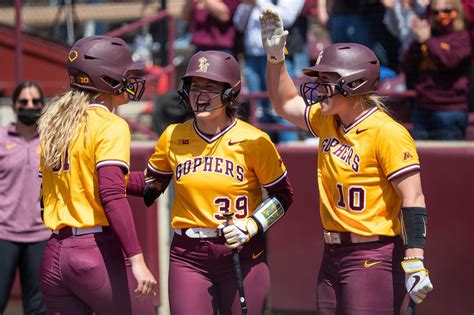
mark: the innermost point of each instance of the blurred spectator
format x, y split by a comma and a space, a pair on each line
246, 20
361, 21
399, 16
437, 66
22, 233
211, 23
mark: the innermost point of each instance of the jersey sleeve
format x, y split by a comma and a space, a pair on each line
396, 151
158, 163
112, 144
313, 118
269, 167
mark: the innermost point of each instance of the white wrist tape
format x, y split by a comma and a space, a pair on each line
267, 213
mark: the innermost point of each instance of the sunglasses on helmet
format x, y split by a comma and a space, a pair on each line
24, 102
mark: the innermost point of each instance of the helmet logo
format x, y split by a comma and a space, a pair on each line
319, 57
73, 55
203, 64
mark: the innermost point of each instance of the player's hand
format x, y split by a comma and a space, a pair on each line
238, 233
150, 195
273, 35
145, 279
417, 281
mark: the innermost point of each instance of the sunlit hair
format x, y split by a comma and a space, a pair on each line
373, 100
59, 121
460, 22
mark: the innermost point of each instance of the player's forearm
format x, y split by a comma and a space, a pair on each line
280, 86
117, 209
136, 184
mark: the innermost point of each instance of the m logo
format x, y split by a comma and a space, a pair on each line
72, 55
203, 64
407, 156
183, 141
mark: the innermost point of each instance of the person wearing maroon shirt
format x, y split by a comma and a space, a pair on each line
22, 233
437, 66
211, 23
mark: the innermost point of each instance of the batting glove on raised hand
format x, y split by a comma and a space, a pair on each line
417, 281
273, 35
238, 233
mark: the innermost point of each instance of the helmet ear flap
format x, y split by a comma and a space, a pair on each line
228, 97
183, 93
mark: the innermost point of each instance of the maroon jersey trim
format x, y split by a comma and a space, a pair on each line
306, 118
216, 136
404, 170
358, 121
275, 181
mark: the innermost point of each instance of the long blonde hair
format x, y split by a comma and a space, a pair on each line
59, 122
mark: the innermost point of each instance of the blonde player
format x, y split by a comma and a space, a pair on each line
219, 164
368, 175
93, 262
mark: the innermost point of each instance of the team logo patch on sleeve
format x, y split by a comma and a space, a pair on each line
407, 156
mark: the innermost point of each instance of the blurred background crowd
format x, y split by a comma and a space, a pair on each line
424, 48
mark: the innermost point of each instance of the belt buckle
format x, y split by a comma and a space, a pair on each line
332, 237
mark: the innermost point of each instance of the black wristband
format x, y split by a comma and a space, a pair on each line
414, 220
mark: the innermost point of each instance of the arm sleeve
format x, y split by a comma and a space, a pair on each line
136, 184
117, 208
282, 191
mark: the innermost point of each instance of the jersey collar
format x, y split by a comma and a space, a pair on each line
210, 139
99, 105
359, 120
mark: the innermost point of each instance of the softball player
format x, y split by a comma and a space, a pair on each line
368, 176
93, 261
218, 164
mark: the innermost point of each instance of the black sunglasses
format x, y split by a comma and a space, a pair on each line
446, 11
35, 101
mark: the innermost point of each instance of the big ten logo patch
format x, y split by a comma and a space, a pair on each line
183, 141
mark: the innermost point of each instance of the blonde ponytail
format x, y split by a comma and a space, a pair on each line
59, 123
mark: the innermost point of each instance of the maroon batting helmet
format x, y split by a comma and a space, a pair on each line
357, 66
213, 65
104, 64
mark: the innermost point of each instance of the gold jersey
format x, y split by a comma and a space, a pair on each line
355, 166
214, 175
70, 191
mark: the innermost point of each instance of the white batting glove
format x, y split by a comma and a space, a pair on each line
238, 233
273, 35
417, 281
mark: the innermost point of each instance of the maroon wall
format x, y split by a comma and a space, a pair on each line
295, 244
43, 61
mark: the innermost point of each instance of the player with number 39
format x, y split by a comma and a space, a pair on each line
219, 165
371, 201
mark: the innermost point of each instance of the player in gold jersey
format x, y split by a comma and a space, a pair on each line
93, 262
368, 177
219, 165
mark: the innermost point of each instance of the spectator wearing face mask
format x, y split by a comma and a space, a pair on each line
22, 233
437, 66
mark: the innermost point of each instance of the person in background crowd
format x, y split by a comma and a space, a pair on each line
93, 262
246, 21
368, 177
22, 233
437, 65
211, 23
399, 16
219, 164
